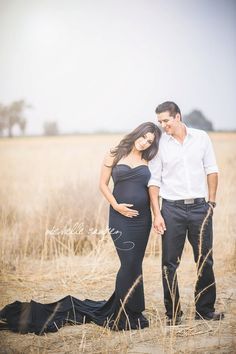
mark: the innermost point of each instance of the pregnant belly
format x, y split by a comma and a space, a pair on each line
139, 199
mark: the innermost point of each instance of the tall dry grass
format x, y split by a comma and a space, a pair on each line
51, 205
54, 241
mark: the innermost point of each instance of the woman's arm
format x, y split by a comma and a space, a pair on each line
105, 179
105, 176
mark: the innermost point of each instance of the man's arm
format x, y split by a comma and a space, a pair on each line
212, 182
155, 166
158, 222
211, 169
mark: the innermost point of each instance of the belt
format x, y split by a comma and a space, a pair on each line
187, 201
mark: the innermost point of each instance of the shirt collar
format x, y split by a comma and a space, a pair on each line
188, 131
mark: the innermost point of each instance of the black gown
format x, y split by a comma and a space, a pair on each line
124, 308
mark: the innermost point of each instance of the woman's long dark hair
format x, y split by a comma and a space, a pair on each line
126, 144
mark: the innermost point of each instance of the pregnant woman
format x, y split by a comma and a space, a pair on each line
129, 224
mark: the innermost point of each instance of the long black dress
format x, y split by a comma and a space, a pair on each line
130, 237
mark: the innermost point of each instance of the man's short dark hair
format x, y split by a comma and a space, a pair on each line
170, 107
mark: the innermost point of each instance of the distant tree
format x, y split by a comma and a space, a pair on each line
51, 128
15, 115
1, 126
11, 115
197, 120
3, 118
22, 126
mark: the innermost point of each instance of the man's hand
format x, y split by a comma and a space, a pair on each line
212, 205
159, 224
125, 210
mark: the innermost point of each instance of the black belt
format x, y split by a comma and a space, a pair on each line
189, 201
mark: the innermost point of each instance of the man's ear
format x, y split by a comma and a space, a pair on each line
178, 117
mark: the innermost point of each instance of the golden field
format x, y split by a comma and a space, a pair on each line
54, 242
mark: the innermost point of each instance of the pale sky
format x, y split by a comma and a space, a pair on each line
106, 64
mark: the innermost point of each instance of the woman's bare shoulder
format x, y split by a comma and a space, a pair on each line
108, 159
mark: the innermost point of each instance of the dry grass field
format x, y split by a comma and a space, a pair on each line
54, 242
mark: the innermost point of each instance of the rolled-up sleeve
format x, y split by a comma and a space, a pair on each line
209, 159
155, 167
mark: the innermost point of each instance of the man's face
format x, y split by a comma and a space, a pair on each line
168, 123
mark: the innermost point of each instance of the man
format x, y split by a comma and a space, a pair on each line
185, 162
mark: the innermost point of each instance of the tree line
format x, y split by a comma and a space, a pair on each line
13, 115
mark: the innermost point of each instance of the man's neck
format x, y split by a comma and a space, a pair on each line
180, 133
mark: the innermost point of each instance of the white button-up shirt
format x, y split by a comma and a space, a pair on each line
180, 169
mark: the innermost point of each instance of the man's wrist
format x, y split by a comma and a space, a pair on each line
213, 204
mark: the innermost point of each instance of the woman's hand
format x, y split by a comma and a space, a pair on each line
125, 210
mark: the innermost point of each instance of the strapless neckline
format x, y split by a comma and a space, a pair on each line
132, 168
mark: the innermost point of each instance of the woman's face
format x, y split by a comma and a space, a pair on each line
143, 142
